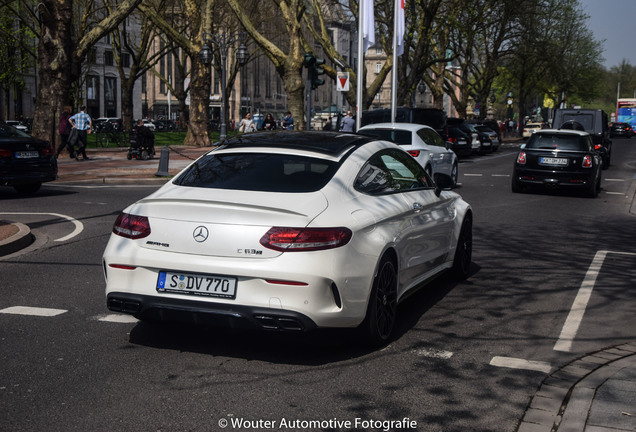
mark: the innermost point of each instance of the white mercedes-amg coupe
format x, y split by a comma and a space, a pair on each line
289, 231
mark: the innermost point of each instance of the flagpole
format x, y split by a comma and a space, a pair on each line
394, 70
360, 69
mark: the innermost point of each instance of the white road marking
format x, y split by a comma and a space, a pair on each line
616, 180
79, 227
434, 353
34, 311
473, 175
501, 175
573, 321
118, 318
515, 363
615, 193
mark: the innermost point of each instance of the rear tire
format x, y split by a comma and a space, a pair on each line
516, 186
379, 322
594, 188
27, 189
464, 250
454, 175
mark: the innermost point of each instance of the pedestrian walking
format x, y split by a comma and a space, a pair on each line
83, 124
64, 129
269, 123
288, 121
348, 123
247, 124
329, 125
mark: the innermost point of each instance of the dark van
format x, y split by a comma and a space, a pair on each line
432, 117
593, 121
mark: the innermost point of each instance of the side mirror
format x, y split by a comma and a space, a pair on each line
442, 182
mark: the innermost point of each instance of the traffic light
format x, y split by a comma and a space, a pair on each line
317, 71
312, 63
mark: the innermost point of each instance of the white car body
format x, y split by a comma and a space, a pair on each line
17, 124
292, 290
529, 129
150, 125
424, 144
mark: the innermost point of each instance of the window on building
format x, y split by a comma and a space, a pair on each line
379, 50
108, 58
125, 60
378, 67
257, 73
92, 88
92, 56
268, 80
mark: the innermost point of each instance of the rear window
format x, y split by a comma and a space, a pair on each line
264, 172
586, 120
7, 131
541, 141
400, 137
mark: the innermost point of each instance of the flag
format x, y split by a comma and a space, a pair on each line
367, 23
399, 26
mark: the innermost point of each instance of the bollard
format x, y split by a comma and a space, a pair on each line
163, 163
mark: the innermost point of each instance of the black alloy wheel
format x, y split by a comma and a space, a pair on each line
382, 308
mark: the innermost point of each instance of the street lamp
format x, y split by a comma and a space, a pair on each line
223, 41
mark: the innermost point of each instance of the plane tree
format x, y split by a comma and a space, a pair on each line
68, 29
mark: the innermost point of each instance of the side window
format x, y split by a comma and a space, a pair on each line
431, 137
391, 171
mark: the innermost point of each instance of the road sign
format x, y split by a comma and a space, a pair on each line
342, 81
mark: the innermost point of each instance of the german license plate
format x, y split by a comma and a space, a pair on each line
553, 161
197, 284
26, 154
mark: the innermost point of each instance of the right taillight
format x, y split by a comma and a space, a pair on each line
132, 226
587, 161
521, 158
288, 239
452, 140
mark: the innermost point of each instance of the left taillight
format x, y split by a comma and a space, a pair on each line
521, 158
131, 226
5, 153
286, 239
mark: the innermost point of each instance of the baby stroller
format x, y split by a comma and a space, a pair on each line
142, 144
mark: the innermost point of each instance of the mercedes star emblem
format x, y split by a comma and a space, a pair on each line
200, 234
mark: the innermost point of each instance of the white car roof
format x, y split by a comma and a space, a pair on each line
400, 126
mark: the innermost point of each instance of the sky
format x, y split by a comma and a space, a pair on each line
615, 22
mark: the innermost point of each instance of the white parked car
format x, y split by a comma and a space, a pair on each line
18, 125
421, 142
529, 129
150, 125
288, 231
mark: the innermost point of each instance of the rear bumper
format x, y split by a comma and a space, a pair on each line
554, 179
155, 308
27, 173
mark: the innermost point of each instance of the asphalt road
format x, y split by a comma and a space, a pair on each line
467, 356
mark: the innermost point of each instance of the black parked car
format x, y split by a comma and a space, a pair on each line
25, 162
621, 130
432, 117
558, 159
460, 142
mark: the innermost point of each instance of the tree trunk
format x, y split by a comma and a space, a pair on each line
199, 105
54, 58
